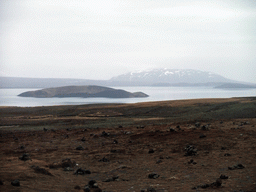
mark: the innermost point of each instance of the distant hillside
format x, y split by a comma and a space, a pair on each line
156, 77
82, 91
22, 82
235, 86
171, 76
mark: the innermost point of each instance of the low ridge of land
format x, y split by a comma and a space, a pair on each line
186, 145
82, 91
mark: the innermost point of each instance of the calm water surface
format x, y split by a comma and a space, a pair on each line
8, 97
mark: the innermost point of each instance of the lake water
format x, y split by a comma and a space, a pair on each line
8, 97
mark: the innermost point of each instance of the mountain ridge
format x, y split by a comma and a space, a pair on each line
155, 77
171, 76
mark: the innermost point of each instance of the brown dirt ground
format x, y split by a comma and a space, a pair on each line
129, 158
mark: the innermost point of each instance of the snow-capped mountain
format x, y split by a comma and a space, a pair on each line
171, 76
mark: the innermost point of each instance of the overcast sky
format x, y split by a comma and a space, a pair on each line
98, 39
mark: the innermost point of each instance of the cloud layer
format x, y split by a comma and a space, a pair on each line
99, 39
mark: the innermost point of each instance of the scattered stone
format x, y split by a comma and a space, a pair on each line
205, 127
197, 124
104, 159
68, 129
159, 161
238, 166
68, 169
37, 169
223, 148
153, 176
205, 186
1, 182
15, 183
190, 150
45, 129
105, 134
86, 188
151, 189
217, 183
77, 187
80, 148
223, 177
192, 162
64, 163
128, 133
22, 147
178, 127
81, 171
24, 157
202, 136
115, 141
227, 155
245, 123
66, 136
15, 139
83, 139
151, 151
172, 130
53, 130
120, 126
114, 178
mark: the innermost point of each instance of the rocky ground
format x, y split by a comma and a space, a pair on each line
157, 154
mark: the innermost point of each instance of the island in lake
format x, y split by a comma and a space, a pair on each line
82, 91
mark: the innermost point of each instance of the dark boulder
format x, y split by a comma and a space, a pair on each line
202, 136
190, 150
24, 157
223, 177
15, 183
153, 176
83, 139
114, 178
77, 187
81, 171
79, 148
151, 151
105, 134
104, 159
37, 169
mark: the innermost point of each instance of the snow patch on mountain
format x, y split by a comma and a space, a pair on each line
171, 76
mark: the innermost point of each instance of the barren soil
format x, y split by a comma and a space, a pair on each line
187, 144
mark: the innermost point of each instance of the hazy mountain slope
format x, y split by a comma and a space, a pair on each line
236, 86
22, 82
156, 77
82, 91
171, 76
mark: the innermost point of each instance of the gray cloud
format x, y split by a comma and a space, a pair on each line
99, 39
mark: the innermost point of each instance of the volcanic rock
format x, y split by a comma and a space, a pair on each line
79, 148
24, 157
238, 166
190, 150
81, 171
37, 169
151, 151
223, 177
153, 176
15, 183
